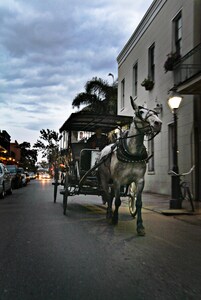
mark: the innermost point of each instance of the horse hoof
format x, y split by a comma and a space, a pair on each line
114, 221
109, 216
109, 222
141, 231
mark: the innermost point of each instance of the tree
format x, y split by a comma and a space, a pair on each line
99, 97
48, 144
44, 164
28, 156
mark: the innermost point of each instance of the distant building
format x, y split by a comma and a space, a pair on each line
169, 34
10, 153
4, 146
15, 151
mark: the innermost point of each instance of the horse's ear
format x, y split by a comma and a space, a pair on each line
134, 106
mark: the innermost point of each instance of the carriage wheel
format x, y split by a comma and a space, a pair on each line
65, 195
132, 199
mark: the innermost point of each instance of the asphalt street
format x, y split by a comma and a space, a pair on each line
46, 255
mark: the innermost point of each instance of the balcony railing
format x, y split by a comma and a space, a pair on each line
188, 67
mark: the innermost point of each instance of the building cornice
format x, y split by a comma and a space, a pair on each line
148, 18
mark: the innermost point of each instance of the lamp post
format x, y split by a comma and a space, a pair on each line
174, 102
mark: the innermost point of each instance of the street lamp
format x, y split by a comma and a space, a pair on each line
174, 102
110, 74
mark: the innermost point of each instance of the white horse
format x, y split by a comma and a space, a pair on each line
127, 162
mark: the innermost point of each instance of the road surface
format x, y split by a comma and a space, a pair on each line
46, 255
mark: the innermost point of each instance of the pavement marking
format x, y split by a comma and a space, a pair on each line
95, 209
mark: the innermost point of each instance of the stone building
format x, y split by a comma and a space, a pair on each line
165, 48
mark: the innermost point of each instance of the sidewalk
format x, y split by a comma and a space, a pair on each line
161, 203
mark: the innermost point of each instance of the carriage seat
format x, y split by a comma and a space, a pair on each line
76, 149
88, 158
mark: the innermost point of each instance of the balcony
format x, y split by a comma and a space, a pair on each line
187, 73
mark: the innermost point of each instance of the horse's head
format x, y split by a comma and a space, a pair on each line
146, 120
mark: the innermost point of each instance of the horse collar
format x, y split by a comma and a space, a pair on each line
124, 155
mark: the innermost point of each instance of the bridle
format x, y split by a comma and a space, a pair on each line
150, 130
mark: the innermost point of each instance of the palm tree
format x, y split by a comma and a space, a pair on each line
99, 97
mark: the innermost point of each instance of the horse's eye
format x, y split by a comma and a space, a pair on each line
141, 112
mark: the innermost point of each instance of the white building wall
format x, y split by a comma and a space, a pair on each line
156, 27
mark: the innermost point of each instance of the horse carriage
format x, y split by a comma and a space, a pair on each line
115, 171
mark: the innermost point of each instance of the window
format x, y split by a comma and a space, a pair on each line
170, 145
151, 65
151, 167
64, 136
135, 79
81, 135
177, 28
64, 140
123, 93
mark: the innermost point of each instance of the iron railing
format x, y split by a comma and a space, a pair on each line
188, 66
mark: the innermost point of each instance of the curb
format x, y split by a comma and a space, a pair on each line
171, 212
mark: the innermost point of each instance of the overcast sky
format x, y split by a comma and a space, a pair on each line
49, 49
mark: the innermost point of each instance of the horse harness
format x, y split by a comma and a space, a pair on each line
121, 147
124, 155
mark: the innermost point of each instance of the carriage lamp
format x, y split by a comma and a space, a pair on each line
174, 102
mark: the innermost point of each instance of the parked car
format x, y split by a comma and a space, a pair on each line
23, 176
32, 175
27, 176
5, 181
16, 176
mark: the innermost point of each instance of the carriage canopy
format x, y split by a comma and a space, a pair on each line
82, 121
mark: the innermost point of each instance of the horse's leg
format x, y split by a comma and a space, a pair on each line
108, 197
109, 207
140, 227
117, 205
103, 179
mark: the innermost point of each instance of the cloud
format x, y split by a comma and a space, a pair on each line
50, 49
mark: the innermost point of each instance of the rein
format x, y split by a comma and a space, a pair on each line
135, 135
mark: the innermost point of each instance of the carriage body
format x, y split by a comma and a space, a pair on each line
83, 160
80, 158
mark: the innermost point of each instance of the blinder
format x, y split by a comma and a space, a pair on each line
147, 115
